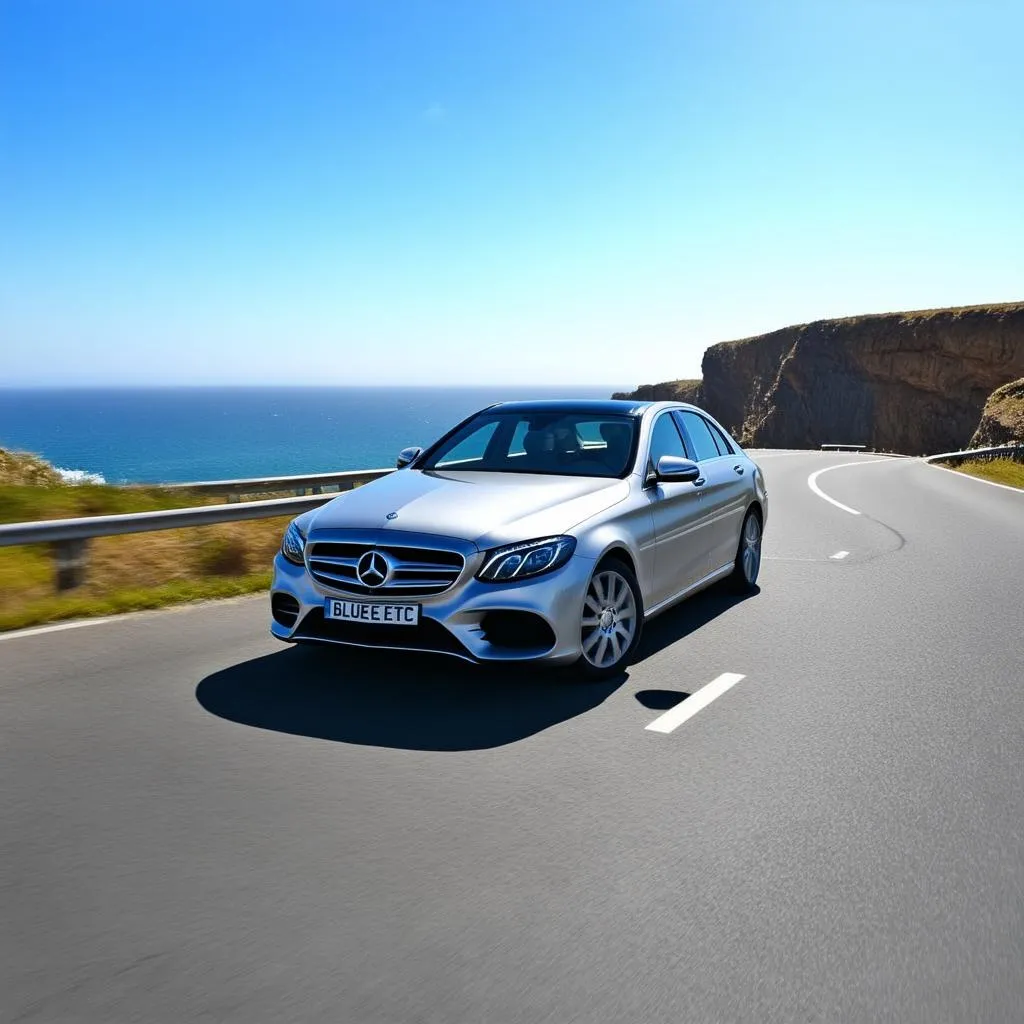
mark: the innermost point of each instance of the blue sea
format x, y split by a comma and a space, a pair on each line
168, 435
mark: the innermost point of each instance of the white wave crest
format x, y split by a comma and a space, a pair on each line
79, 476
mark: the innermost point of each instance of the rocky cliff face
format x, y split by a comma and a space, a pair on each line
1002, 420
905, 382
21, 468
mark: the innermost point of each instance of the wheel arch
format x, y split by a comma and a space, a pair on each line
617, 553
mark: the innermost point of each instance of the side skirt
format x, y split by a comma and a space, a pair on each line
701, 584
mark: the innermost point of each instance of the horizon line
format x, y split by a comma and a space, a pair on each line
321, 387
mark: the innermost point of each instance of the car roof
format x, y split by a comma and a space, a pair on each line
587, 406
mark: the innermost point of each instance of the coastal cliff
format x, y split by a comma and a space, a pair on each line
913, 382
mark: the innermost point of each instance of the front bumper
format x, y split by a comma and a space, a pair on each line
455, 622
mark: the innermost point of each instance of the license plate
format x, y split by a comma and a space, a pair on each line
379, 614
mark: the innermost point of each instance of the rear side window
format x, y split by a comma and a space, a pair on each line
724, 448
700, 435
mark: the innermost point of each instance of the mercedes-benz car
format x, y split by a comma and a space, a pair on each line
541, 531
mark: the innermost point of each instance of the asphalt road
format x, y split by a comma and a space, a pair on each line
197, 824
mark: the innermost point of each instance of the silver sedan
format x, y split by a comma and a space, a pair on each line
533, 531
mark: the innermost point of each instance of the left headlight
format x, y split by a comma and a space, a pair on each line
531, 558
294, 544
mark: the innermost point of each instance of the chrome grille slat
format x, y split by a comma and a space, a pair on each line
395, 584
425, 567
415, 570
330, 576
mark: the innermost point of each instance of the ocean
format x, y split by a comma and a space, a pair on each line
169, 435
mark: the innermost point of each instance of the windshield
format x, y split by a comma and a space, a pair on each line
555, 442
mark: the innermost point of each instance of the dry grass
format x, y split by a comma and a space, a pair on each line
24, 468
22, 503
141, 570
996, 309
78, 605
128, 573
1001, 471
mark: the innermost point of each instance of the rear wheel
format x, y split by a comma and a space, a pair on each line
748, 555
611, 621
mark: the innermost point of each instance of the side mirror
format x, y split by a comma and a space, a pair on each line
407, 455
677, 470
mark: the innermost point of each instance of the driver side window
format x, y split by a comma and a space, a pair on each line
665, 439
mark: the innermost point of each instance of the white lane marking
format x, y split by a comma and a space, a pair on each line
57, 628
674, 717
811, 482
980, 479
839, 554
145, 613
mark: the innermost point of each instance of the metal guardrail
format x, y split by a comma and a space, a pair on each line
1006, 451
313, 482
69, 538
844, 447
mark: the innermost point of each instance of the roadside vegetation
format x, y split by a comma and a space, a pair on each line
1001, 471
129, 573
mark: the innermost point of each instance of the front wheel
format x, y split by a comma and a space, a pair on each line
748, 555
611, 620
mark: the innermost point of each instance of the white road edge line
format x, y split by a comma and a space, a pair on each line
839, 554
981, 480
685, 709
142, 613
57, 628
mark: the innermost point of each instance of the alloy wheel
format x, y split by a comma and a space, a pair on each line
609, 619
751, 551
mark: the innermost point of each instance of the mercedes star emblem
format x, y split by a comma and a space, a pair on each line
373, 569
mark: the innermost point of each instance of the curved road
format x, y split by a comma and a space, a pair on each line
197, 824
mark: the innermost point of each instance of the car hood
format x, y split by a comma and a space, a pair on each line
486, 509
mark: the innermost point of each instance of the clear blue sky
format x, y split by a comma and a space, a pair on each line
522, 191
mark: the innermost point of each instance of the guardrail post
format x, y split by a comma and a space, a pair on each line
70, 559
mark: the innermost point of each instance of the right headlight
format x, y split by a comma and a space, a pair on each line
531, 558
293, 547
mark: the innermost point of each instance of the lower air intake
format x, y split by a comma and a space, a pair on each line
519, 631
285, 609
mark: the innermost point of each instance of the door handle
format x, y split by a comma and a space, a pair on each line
738, 469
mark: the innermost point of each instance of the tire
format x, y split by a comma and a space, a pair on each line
612, 598
747, 566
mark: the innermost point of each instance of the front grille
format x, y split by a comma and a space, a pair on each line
427, 635
415, 571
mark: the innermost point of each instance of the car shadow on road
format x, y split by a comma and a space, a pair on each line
379, 698
686, 618
677, 624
